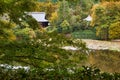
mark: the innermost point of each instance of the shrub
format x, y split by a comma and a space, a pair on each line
84, 34
65, 26
26, 33
83, 73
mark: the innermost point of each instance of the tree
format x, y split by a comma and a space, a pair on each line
64, 11
46, 6
15, 10
104, 15
43, 51
65, 27
53, 18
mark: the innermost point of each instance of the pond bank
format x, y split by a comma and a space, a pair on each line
102, 45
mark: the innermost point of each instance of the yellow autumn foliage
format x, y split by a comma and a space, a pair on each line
6, 32
114, 31
104, 16
47, 7
54, 17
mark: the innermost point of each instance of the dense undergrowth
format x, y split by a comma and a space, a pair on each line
83, 73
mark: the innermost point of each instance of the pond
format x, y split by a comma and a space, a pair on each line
106, 60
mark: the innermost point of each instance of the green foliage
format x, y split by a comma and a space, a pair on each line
15, 12
23, 34
6, 32
108, 0
46, 6
17, 9
72, 11
48, 0
30, 22
65, 27
83, 73
64, 11
41, 54
104, 15
114, 30
44, 51
84, 34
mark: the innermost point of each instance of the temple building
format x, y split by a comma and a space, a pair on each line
40, 18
